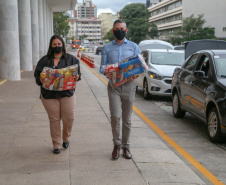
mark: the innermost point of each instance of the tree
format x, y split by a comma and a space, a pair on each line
109, 36
153, 33
136, 17
60, 23
192, 29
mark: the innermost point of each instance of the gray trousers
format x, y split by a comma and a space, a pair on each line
121, 105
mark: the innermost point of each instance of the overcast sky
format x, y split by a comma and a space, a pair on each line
112, 6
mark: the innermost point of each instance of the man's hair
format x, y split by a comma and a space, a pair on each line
119, 21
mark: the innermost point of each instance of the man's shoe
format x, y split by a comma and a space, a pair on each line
56, 151
116, 152
126, 153
65, 145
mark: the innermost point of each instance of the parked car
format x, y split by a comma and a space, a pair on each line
199, 86
98, 50
154, 44
161, 64
179, 47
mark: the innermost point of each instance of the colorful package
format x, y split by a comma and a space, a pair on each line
117, 79
112, 67
123, 70
59, 79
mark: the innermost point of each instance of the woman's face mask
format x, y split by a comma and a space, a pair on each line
57, 49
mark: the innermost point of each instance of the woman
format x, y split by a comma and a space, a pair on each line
58, 104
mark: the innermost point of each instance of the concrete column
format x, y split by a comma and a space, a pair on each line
35, 32
51, 23
41, 34
9, 39
24, 13
45, 26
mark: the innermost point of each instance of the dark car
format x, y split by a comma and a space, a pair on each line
98, 50
199, 86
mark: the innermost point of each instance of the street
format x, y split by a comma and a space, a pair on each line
189, 132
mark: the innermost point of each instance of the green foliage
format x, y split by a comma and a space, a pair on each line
136, 17
60, 24
192, 29
153, 31
109, 36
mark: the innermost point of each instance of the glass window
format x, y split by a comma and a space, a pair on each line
221, 65
192, 62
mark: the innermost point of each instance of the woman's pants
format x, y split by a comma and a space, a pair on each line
57, 109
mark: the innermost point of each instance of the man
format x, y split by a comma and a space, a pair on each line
121, 98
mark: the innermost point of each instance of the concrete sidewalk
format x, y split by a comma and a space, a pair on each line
26, 150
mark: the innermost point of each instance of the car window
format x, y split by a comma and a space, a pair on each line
203, 64
221, 65
192, 62
167, 58
145, 56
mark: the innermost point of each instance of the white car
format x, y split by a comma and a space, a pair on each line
158, 78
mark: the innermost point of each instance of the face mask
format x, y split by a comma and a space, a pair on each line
57, 49
119, 34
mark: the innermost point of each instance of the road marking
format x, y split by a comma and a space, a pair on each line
177, 147
5, 80
2, 82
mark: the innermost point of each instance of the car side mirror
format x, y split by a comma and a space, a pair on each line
199, 73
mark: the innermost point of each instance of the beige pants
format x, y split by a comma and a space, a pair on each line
121, 106
57, 109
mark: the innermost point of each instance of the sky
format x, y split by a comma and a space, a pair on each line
112, 6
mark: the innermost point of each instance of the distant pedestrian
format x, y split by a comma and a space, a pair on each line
59, 105
121, 98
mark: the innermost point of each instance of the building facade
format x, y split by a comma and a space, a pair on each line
86, 9
107, 20
168, 15
26, 28
88, 27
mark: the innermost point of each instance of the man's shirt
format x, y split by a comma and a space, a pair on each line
114, 53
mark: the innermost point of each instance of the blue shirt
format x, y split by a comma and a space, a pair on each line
114, 53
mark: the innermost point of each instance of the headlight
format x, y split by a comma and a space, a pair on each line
155, 76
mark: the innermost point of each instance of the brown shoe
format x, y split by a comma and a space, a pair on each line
116, 152
126, 153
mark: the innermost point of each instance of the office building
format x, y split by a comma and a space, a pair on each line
107, 20
91, 28
86, 9
168, 15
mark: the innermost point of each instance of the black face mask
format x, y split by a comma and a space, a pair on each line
119, 34
57, 49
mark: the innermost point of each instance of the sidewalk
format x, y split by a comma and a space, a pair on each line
26, 156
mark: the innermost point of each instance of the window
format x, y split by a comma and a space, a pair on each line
192, 62
224, 28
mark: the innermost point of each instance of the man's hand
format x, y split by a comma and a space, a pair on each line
108, 75
131, 78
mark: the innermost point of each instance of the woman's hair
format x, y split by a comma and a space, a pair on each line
50, 53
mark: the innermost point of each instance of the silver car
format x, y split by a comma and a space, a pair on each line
158, 78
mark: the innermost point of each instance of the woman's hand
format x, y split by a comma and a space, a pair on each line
41, 79
108, 75
76, 77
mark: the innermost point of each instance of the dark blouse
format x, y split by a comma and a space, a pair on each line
44, 62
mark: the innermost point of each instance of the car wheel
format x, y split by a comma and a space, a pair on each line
146, 94
177, 111
213, 124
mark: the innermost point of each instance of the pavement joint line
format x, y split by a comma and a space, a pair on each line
177, 147
5, 80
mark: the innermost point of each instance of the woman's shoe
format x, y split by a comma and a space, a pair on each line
56, 151
65, 145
